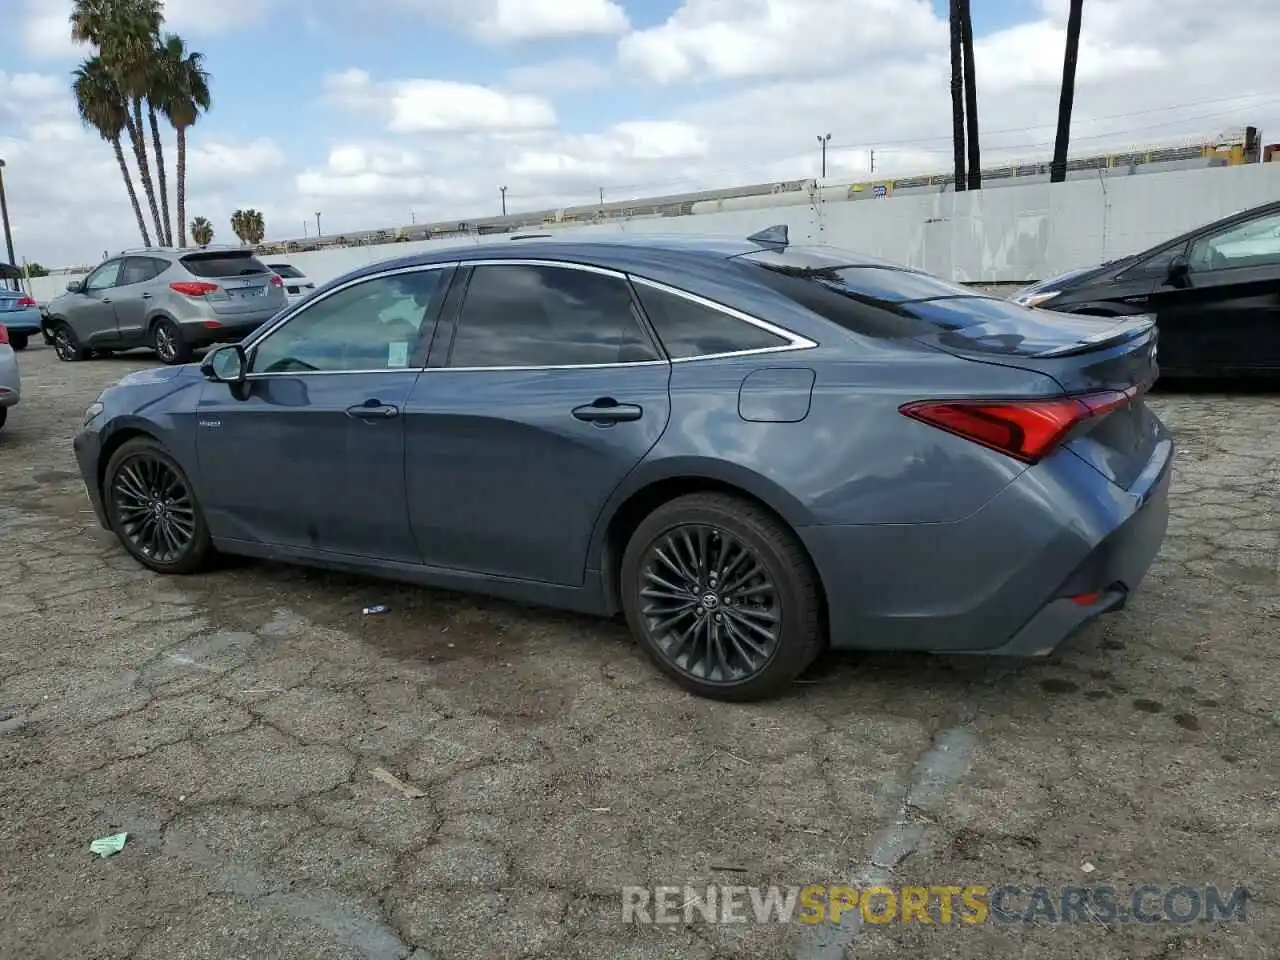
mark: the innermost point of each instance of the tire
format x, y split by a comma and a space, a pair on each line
66, 345
166, 340
143, 466
793, 600
46, 333
4, 415
18, 341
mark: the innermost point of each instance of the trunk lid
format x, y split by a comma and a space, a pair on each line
1084, 355
244, 282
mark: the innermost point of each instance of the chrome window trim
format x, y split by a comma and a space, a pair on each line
290, 313
794, 340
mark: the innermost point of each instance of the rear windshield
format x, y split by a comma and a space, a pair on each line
284, 270
878, 299
956, 313
224, 264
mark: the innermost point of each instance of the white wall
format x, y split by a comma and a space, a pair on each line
1014, 234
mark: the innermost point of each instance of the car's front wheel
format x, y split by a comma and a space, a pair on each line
65, 344
722, 597
153, 509
18, 340
167, 341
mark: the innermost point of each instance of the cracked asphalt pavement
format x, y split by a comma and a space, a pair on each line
231, 723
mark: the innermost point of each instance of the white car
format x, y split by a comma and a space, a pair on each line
10, 382
296, 284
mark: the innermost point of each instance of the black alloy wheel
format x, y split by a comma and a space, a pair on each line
166, 340
153, 510
66, 346
722, 597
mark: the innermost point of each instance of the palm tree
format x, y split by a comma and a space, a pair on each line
249, 226
957, 96
201, 231
970, 96
126, 33
1058, 170
186, 97
158, 93
102, 106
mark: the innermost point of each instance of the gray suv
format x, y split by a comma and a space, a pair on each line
171, 300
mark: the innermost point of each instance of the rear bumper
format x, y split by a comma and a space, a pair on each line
22, 321
230, 330
1057, 548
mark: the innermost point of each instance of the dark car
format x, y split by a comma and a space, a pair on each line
1214, 294
747, 447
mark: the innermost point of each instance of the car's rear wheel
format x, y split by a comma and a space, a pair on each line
65, 344
18, 340
153, 510
166, 340
722, 597
4, 415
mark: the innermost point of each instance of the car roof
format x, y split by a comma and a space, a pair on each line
621, 250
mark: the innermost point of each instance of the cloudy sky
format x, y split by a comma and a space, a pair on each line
380, 112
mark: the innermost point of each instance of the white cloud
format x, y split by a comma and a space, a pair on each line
522, 21
564, 75
438, 106
46, 29
730, 39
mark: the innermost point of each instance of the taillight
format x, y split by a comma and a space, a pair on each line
276, 281
193, 288
27, 302
1025, 429
4, 334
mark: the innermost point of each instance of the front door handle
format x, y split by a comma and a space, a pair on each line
606, 410
373, 410
105, 300
146, 296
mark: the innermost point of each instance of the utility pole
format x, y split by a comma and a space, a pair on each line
317, 224
873, 161
306, 230
602, 196
4, 214
822, 142
503, 191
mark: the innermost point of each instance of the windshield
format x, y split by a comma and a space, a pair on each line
286, 271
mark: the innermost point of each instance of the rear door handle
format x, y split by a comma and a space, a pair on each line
146, 296
606, 410
373, 410
105, 300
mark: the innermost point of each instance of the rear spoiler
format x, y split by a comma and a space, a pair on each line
1125, 328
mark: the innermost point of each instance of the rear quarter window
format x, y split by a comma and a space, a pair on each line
222, 265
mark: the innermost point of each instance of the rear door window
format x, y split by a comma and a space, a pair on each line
522, 315
139, 270
223, 265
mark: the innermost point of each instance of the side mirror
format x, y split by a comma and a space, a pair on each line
1179, 267
75, 286
225, 364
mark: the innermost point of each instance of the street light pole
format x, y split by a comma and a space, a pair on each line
503, 191
4, 215
822, 142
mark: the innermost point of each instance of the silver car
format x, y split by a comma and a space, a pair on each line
174, 301
10, 382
